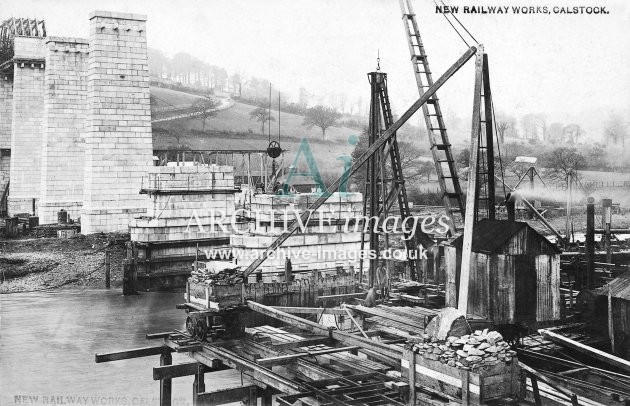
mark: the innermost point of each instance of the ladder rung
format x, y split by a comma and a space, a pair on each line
452, 195
432, 101
441, 147
445, 160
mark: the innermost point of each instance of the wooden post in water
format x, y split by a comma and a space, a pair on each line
166, 384
107, 269
199, 384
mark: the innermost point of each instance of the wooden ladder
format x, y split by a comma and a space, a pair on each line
440, 146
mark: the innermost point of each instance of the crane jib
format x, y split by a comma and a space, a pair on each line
387, 134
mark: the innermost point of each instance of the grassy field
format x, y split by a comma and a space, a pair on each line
167, 97
233, 129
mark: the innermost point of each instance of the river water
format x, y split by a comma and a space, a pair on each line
48, 341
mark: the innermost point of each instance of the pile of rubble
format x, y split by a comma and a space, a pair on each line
215, 273
469, 352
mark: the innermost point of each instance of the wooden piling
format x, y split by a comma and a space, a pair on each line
107, 269
166, 384
606, 220
199, 384
590, 242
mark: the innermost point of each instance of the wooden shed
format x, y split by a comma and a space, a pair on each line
619, 291
514, 274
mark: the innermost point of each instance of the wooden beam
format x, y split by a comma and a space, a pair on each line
588, 350
539, 376
185, 369
355, 322
377, 312
153, 336
282, 359
302, 343
133, 353
310, 310
487, 96
342, 296
166, 385
262, 376
226, 395
471, 193
344, 337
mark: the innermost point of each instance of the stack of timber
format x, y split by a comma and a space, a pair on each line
400, 321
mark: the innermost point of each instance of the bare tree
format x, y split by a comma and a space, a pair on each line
502, 127
563, 161
261, 115
203, 109
572, 133
322, 117
176, 129
616, 131
237, 80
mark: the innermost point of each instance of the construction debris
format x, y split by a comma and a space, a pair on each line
468, 352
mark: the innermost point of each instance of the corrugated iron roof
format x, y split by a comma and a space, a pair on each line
619, 287
490, 235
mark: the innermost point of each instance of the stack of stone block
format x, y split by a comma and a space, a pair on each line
323, 247
185, 203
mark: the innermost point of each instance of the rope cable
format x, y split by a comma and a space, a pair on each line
460, 23
451, 24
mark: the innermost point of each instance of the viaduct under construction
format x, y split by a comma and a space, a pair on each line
486, 320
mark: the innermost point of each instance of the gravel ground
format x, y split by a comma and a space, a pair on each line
28, 264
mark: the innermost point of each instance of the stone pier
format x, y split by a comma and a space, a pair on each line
118, 138
6, 111
26, 125
63, 146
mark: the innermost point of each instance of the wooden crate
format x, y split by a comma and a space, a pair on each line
214, 296
469, 388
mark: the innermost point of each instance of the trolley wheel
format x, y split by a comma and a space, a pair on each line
190, 326
202, 329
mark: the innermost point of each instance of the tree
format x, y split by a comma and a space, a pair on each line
463, 158
176, 129
555, 132
616, 131
204, 109
322, 117
426, 168
261, 115
534, 126
237, 80
596, 157
572, 133
563, 161
506, 126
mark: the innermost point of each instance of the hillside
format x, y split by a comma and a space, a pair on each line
233, 129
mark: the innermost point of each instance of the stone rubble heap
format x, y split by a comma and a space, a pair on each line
216, 273
469, 352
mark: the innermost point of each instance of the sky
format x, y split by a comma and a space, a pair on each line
573, 68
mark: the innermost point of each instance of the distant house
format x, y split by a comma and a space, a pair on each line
514, 274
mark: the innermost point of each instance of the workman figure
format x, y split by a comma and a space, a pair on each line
382, 280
